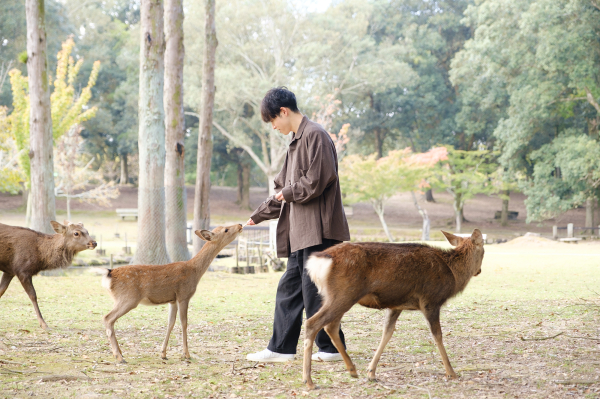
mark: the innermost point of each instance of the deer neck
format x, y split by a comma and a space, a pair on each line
56, 254
204, 258
461, 265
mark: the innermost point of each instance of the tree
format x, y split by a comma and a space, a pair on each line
11, 175
202, 192
75, 178
463, 175
369, 179
68, 108
566, 174
151, 193
40, 122
422, 165
175, 195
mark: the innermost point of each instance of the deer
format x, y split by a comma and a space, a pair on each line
173, 283
25, 252
394, 277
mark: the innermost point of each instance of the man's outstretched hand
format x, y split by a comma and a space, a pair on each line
250, 222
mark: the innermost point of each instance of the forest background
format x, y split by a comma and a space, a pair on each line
511, 89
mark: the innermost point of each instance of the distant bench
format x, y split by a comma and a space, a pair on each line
124, 212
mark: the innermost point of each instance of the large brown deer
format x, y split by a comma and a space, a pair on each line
174, 283
25, 252
395, 277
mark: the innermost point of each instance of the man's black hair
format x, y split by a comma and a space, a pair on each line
276, 98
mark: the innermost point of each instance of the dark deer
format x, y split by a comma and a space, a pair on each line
25, 252
395, 277
174, 283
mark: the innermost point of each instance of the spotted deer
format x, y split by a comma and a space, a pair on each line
394, 277
174, 283
25, 252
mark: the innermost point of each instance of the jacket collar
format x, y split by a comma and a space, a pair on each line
303, 124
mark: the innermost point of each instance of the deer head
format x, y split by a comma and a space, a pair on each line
220, 236
473, 243
75, 235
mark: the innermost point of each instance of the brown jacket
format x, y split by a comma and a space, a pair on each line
313, 199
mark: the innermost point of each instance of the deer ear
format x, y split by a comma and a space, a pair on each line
477, 237
205, 235
59, 228
66, 223
452, 239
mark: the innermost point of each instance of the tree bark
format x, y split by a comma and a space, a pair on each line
504, 214
151, 247
425, 216
379, 210
124, 172
40, 123
429, 196
589, 213
202, 192
458, 212
175, 193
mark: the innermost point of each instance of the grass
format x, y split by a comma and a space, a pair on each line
523, 292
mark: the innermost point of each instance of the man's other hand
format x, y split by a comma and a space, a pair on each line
279, 196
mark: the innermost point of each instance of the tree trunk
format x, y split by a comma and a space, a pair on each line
175, 193
378, 143
245, 199
504, 214
425, 216
124, 173
68, 207
589, 213
379, 209
151, 248
458, 212
28, 211
240, 182
40, 123
429, 196
202, 192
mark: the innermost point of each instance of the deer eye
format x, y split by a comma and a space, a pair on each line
226, 230
76, 234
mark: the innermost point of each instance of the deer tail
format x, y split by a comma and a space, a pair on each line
106, 277
318, 267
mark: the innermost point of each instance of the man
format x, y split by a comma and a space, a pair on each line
308, 204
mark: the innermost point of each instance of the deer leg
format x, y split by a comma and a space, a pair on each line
391, 315
433, 318
119, 309
183, 309
333, 330
327, 314
28, 286
170, 324
6, 279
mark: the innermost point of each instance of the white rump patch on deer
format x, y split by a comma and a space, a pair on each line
106, 280
318, 270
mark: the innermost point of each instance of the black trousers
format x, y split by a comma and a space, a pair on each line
296, 292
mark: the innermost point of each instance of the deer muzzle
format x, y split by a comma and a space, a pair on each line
92, 244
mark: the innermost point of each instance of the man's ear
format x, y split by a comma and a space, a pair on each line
452, 239
477, 237
205, 235
59, 228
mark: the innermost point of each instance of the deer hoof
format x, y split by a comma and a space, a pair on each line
371, 377
451, 375
164, 357
310, 385
353, 373
122, 361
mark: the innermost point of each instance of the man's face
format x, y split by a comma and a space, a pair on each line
283, 122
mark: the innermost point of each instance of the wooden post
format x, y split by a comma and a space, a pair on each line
555, 232
570, 230
111, 261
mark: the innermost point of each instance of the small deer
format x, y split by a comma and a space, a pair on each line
394, 277
174, 283
25, 252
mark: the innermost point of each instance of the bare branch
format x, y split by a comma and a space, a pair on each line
595, 4
590, 98
242, 145
542, 338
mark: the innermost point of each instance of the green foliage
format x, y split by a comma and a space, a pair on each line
566, 173
67, 108
465, 174
11, 175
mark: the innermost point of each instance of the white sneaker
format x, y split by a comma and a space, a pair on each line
268, 356
327, 357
